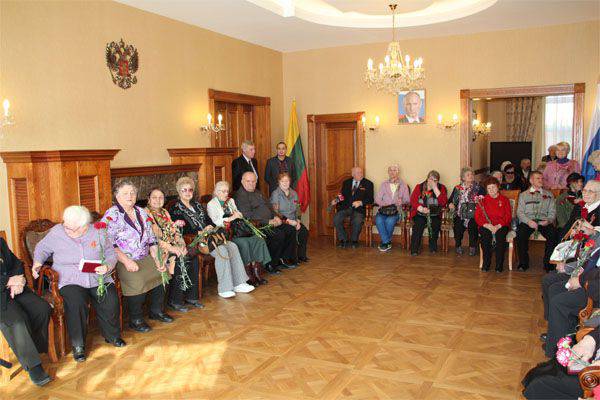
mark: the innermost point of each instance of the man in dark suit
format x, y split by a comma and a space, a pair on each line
278, 165
357, 192
244, 163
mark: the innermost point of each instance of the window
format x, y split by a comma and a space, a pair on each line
558, 125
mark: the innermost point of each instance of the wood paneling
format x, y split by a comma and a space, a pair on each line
42, 184
152, 170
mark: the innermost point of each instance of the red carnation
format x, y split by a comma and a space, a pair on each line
590, 243
109, 218
100, 225
584, 213
149, 219
578, 236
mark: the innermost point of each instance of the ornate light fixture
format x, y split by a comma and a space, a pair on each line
447, 124
7, 119
396, 73
211, 128
371, 128
481, 128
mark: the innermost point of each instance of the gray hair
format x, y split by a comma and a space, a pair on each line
220, 185
246, 144
394, 166
566, 146
121, 184
77, 215
463, 172
184, 180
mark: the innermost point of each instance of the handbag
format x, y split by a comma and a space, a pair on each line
388, 211
467, 210
240, 229
205, 244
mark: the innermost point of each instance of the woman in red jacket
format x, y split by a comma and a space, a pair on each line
493, 216
427, 202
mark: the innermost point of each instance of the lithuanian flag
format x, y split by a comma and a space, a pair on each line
295, 152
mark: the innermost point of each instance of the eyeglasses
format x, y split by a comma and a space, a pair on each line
588, 191
187, 190
510, 172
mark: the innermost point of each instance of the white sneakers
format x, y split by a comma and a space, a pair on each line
241, 288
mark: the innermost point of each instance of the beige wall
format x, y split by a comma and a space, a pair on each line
330, 81
52, 68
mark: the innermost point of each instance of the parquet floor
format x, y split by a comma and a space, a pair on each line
351, 324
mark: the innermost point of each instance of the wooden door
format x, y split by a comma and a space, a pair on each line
336, 144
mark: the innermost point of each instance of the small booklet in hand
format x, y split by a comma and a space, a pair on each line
89, 266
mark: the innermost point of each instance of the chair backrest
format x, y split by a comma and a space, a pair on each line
513, 198
3, 235
32, 234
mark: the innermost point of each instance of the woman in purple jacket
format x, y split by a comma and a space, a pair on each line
393, 193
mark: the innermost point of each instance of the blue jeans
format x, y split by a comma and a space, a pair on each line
385, 226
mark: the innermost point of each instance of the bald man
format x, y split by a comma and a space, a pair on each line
412, 107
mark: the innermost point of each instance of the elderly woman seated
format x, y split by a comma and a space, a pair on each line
71, 244
285, 203
231, 273
170, 243
427, 202
222, 211
565, 202
24, 316
557, 171
129, 228
462, 202
392, 194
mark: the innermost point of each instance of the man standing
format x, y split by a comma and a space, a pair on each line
278, 165
524, 169
357, 192
536, 212
412, 107
281, 241
244, 163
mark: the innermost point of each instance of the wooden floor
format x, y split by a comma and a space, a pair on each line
351, 324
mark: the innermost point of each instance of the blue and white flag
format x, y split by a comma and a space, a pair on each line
593, 143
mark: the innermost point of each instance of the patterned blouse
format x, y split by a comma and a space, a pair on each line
196, 218
133, 238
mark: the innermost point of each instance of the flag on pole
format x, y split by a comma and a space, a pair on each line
295, 152
593, 142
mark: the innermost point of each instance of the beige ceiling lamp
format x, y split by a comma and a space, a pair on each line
396, 73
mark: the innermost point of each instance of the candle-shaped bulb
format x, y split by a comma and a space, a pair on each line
380, 68
364, 120
407, 59
475, 122
370, 64
6, 106
455, 117
387, 60
220, 118
488, 125
209, 118
440, 118
377, 120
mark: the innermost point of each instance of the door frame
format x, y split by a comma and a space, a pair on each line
314, 121
466, 96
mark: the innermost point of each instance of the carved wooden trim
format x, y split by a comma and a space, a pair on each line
325, 118
153, 170
202, 151
240, 98
57, 155
548, 90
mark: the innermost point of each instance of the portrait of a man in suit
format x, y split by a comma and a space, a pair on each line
411, 107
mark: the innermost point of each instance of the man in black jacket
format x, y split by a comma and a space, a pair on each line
24, 316
244, 163
357, 192
278, 165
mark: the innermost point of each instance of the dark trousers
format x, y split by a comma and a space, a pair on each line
419, 225
459, 231
563, 311
76, 299
524, 231
24, 324
302, 240
559, 386
135, 304
487, 248
176, 294
553, 283
282, 243
357, 220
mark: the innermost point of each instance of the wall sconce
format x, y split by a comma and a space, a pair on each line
212, 128
7, 119
481, 128
372, 128
447, 124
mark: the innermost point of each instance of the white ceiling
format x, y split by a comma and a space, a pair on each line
262, 25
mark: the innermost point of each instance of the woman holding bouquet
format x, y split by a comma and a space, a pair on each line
129, 228
68, 243
427, 202
231, 274
171, 245
222, 211
284, 200
493, 216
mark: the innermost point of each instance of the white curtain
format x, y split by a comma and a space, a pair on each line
558, 125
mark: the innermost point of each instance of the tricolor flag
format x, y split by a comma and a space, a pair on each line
593, 143
295, 152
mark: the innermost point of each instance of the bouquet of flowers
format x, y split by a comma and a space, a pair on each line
338, 198
101, 227
478, 200
565, 354
166, 236
428, 194
584, 254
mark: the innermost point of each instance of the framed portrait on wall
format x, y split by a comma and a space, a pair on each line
411, 107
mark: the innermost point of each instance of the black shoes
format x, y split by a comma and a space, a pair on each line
303, 259
499, 270
544, 337
288, 264
271, 269
118, 342
523, 267
38, 376
79, 353
472, 251
161, 316
354, 245
342, 244
177, 307
194, 303
139, 325
459, 251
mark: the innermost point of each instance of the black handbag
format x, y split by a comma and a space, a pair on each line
467, 210
207, 243
388, 211
240, 229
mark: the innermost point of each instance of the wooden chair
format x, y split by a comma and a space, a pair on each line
31, 236
367, 228
446, 228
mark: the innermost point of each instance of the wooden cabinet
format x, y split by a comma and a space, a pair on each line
41, 184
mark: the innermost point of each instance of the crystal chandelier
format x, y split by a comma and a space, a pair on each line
397, 73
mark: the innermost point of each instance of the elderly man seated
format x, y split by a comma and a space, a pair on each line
281, 239
357, 192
